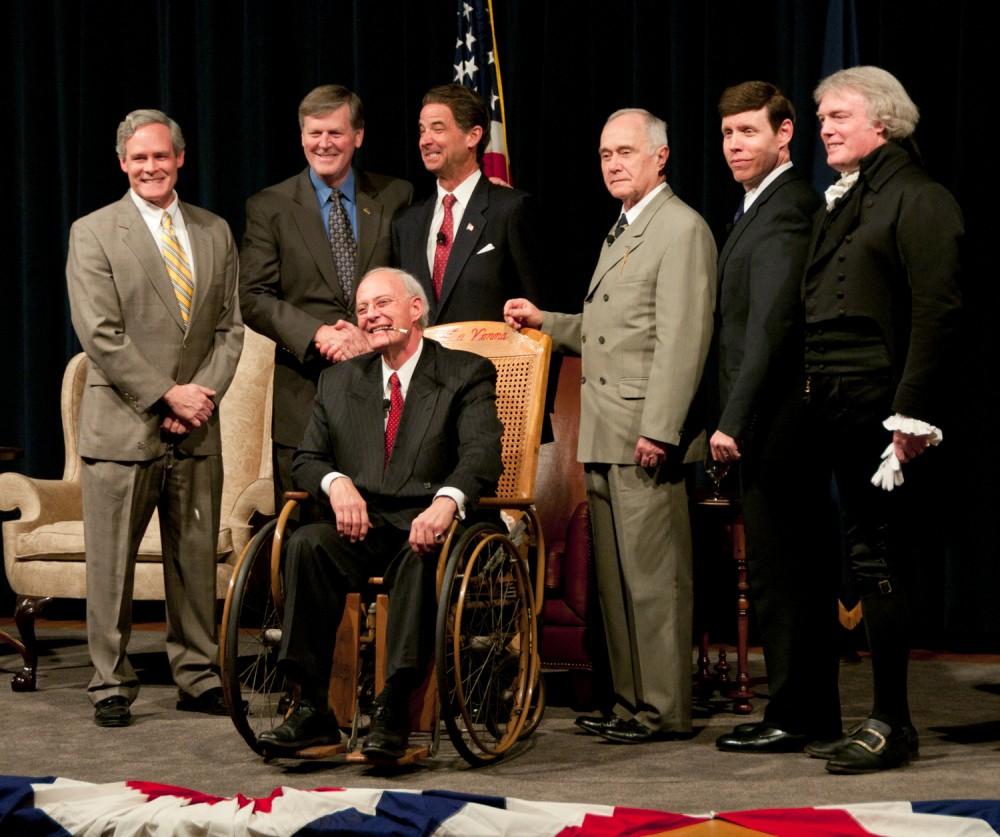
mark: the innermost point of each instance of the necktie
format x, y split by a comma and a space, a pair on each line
739, 210
395, 414
619, 228
445, 236
342, 243
178, 266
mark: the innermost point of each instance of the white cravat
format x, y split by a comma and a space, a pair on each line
835, 192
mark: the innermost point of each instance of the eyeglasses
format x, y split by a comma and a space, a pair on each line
379, 305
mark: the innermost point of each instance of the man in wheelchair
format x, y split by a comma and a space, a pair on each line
401, 442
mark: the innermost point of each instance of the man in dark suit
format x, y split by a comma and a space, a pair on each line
307, 241
472, 244
152, 290
758, 362
394, 479
882, 312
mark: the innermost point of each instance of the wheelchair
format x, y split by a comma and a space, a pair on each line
485, 688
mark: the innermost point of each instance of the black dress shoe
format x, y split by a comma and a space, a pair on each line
210, 702
388, 735
112, 712
595, 723
305, 727
631, 731
828, 749
761, 739
875, 746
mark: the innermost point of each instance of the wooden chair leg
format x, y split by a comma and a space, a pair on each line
741, 694
28, 607
343, 694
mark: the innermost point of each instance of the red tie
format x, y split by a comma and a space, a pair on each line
395, 414
445, 236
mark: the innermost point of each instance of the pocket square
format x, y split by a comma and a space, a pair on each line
485, 249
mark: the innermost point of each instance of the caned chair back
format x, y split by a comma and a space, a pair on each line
522, 362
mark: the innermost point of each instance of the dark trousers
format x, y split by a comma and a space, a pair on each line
844, 438
321, 568
792, 583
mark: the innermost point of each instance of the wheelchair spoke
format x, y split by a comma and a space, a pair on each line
487, 660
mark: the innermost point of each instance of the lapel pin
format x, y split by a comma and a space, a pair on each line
470, 227
366, 210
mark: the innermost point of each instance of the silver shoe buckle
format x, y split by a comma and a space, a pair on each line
878, 748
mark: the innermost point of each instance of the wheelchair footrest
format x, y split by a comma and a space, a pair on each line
324, 751
411, 756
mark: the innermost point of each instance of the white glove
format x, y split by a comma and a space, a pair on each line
890, 472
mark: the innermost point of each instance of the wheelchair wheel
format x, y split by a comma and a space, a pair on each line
487, 661
256, 693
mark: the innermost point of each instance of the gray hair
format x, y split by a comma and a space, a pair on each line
147, 116
410, 285
887, 100
656, 128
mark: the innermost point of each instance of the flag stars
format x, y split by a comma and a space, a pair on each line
489, 57
466, 10
470, 39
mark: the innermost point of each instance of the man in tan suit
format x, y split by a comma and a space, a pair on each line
152, 288
643, 336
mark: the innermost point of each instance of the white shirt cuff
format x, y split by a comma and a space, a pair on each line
325, 483
914, 427
456, 495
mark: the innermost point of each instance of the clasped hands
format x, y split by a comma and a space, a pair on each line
427, 531
191, 405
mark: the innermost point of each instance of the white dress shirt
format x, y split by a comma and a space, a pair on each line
463, 194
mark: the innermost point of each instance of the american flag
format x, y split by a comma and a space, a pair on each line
477, 66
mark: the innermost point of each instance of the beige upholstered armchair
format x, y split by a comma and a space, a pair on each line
43, 549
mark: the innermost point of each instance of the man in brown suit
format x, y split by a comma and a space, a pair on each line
152, 288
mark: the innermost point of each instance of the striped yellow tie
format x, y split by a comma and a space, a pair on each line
178, 266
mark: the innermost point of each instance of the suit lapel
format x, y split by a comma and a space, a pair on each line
416, 248
421, 399
627, 243
466, 238
135, 235
366, 406
833, 226
744, 223
307, 218
369, 222
201, 254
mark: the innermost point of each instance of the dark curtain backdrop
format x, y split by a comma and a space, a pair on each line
232, 73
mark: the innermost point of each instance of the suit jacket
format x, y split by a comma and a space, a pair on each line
449, 433
758, 320
644, 333
476, 283
289, 285
127, 319
890, 252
